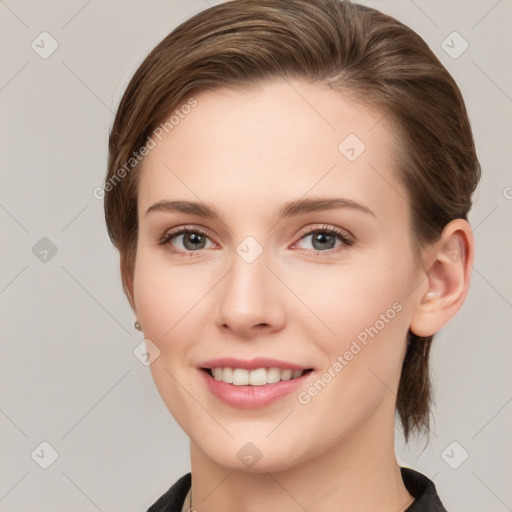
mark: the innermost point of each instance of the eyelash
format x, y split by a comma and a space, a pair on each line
347, 242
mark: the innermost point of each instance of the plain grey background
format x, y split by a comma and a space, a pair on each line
68, 374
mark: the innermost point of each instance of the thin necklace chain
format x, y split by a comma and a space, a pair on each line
190, 507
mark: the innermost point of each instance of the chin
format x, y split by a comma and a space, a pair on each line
253, 457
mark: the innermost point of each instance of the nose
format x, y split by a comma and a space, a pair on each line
250, 300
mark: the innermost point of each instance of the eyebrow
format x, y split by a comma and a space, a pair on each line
290, 209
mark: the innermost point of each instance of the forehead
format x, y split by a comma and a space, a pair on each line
280, 141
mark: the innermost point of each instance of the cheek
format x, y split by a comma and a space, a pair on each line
355, 299
153, 301
164, 299
363, 359
161, 297
368, 312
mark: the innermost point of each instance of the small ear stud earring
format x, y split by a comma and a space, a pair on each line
137, 326
431, 295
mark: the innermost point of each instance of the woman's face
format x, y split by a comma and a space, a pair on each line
298, 251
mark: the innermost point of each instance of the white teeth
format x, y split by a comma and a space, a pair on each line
240, 377
273, 375
286, 374
258, 377
227, 375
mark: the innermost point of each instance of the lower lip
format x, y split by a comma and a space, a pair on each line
252, 397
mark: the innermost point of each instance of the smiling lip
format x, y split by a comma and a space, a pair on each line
251, 397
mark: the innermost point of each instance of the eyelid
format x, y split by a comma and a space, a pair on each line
343, 233
345, 236
178, 230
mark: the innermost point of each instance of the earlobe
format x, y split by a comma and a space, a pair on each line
449, 264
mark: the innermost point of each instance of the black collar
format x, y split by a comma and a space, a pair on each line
418, 485
423, 489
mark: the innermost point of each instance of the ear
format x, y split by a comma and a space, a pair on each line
446, 282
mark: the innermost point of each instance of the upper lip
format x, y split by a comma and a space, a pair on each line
252, 364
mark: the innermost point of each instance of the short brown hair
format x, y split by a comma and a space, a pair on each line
348, 47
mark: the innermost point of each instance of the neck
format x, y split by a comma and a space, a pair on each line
359, 473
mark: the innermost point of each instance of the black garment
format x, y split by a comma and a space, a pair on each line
418, 485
